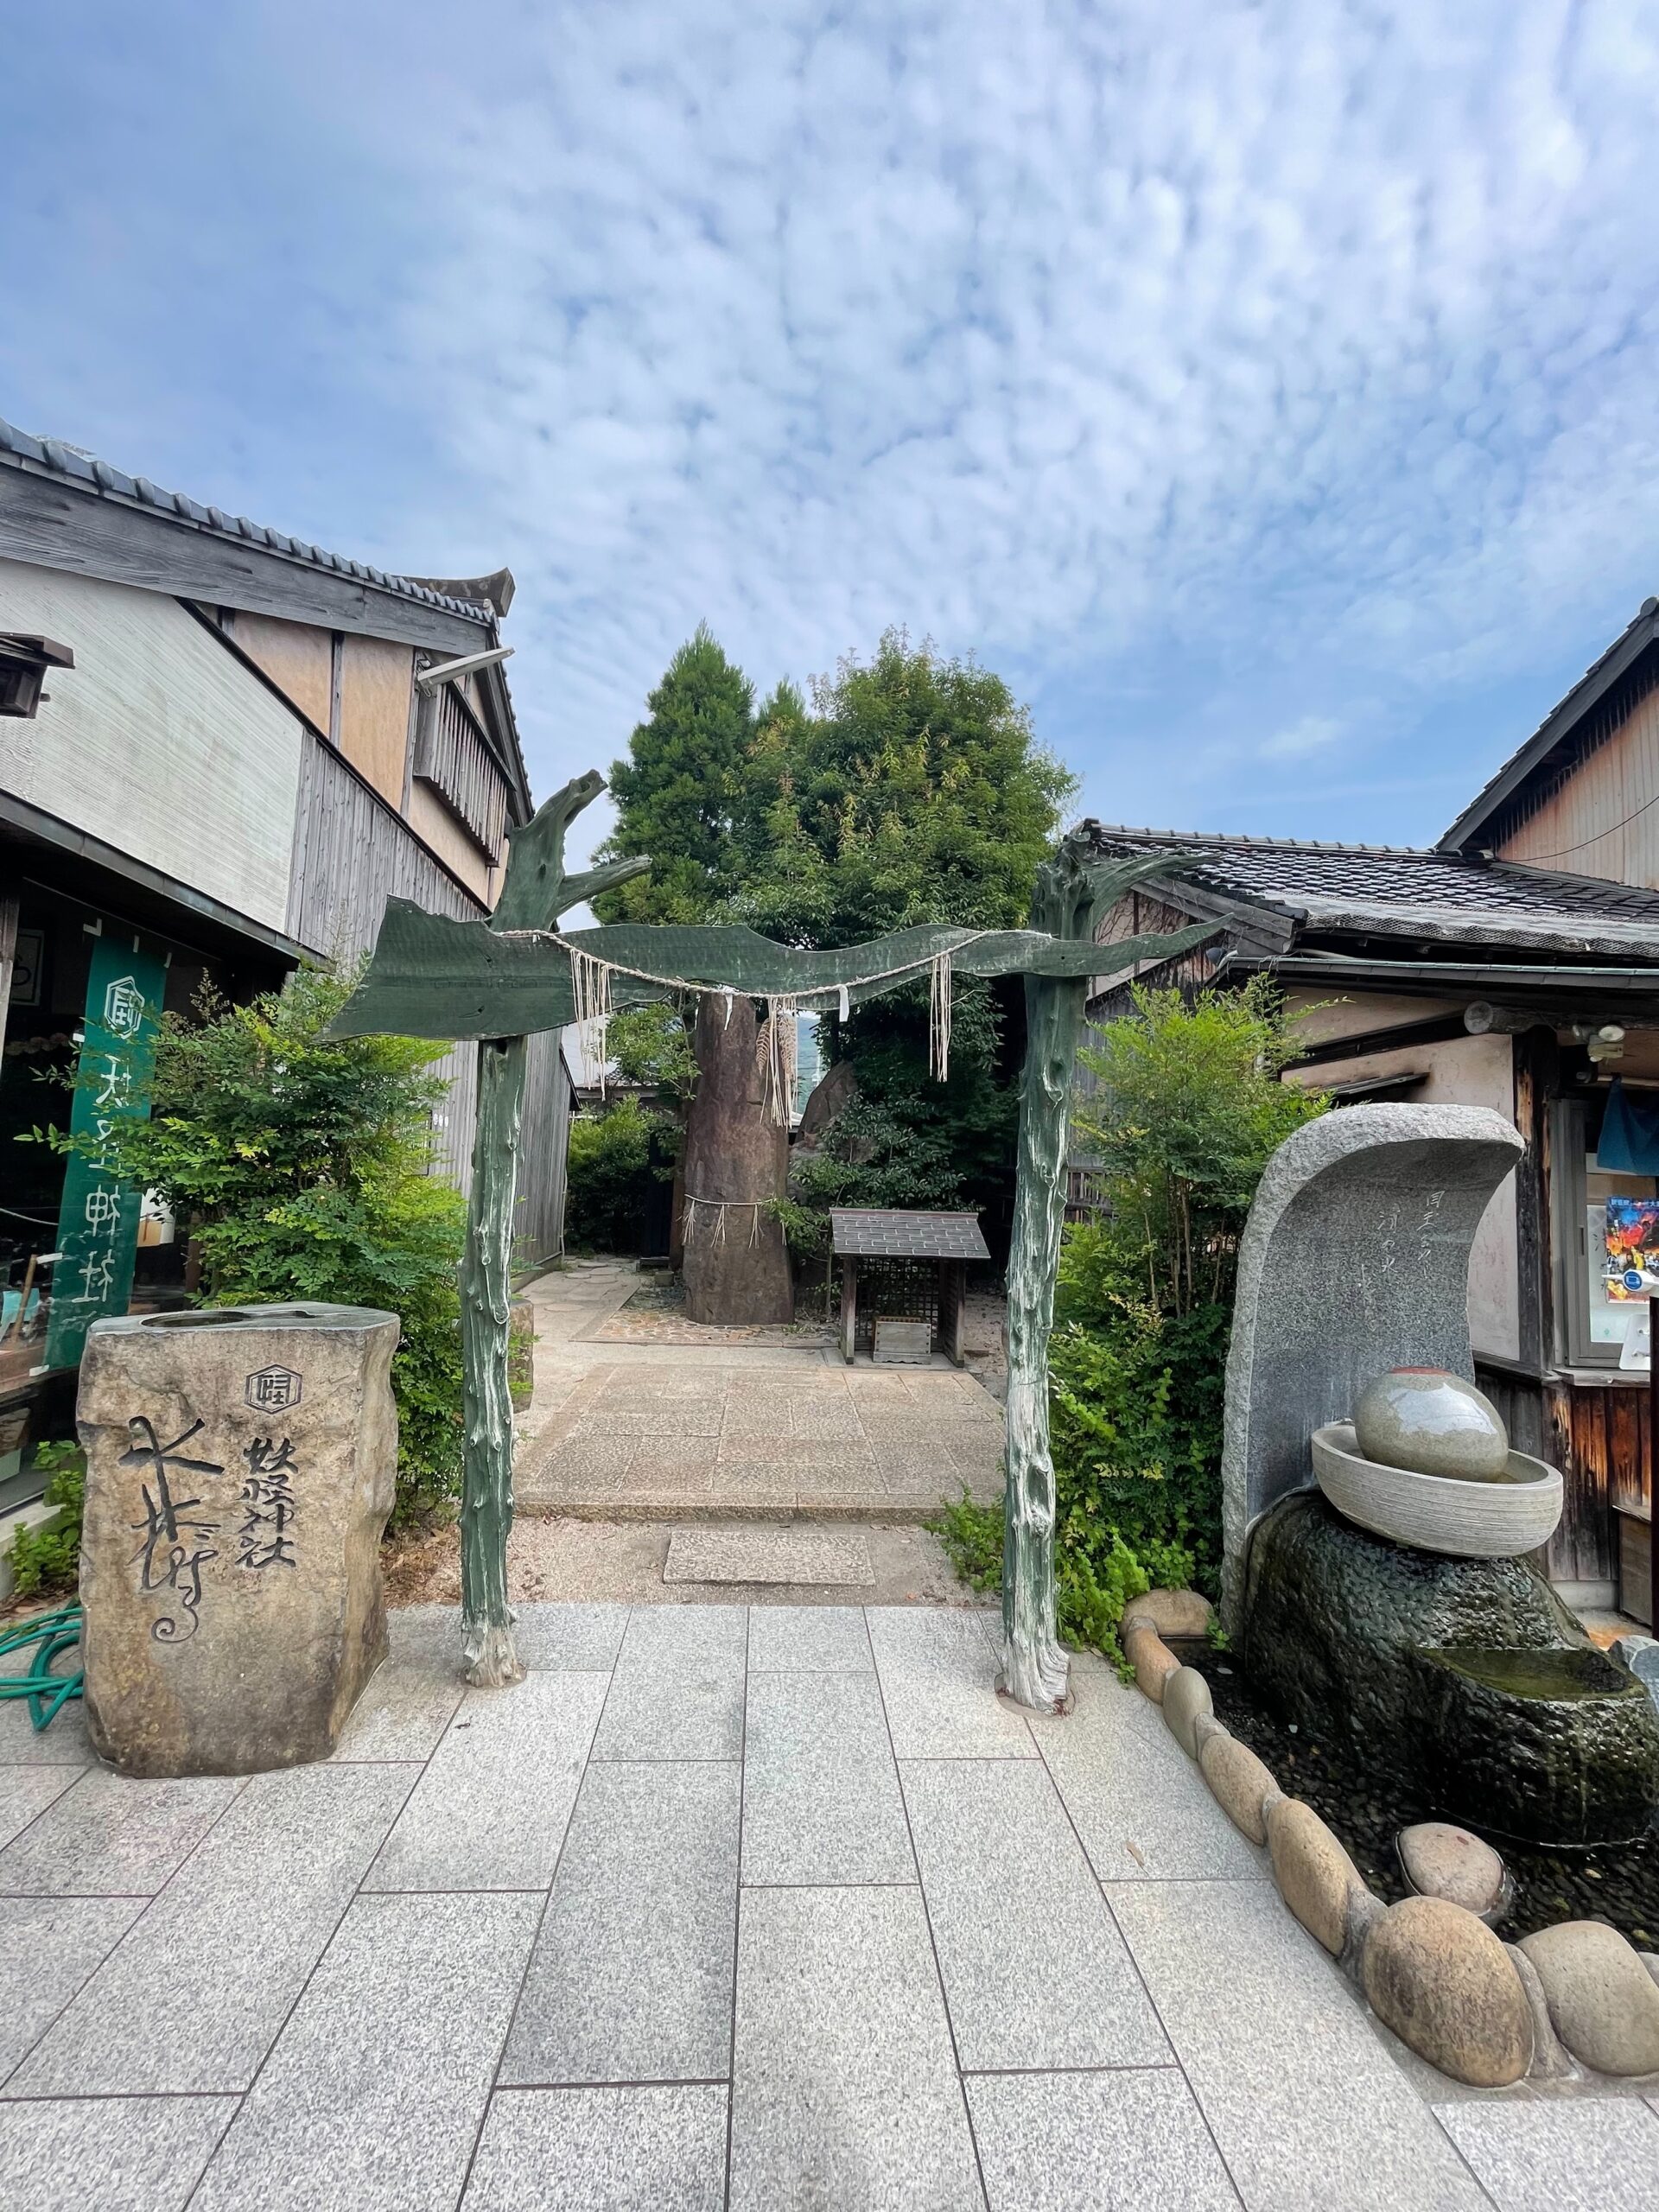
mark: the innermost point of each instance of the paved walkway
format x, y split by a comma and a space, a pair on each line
636, 1432
767, 1908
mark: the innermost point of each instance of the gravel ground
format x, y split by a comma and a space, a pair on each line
554, 1559
1619, 1885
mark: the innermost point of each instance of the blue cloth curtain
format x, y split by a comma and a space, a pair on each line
1629, 1134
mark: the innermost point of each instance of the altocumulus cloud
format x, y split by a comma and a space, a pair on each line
1311, 346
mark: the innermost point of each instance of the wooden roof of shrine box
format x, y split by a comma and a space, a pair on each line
909, 1319
892, 1234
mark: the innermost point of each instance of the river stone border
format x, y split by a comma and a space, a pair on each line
1476, 2009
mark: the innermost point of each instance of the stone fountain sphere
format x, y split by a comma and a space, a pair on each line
1432, 1423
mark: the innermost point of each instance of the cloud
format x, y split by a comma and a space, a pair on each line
1278, 370
1312, 734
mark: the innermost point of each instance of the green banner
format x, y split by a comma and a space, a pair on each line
97, 1221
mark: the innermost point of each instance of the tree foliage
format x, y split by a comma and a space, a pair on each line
301, 1167
1187, 1110
608, 1166
910, 789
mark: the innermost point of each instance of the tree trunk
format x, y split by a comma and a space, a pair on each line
485, 1301
1035, 1670
736, 1264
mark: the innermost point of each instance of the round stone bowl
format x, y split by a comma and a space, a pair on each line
1439, 1513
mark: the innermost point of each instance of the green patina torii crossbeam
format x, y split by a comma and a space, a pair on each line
503, 979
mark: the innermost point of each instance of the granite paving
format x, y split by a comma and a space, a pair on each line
726, 1908
812, 1439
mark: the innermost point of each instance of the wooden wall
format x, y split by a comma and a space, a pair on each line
298, 657
1601, 819
350, 853
157, 741
543, 1141
376, 720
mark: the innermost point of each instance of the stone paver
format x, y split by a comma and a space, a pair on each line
108, 2154
725, 1978
1058, 2142
373, 2097
1035, 1971
844, 2091
810, 1555
659, 2149
1305, 2106
1599, 2155
631, 1980
810, 1437
821, 1799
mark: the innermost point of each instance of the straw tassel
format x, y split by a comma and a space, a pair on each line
590, 993
938, 1037
778, 1042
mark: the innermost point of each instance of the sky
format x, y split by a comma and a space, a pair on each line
1268, 391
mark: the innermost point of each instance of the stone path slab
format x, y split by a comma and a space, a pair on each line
372, 2099
1306, 2106
810, 1555
670, 1926
108, 2154
1599, 2155
1059, 2142
820, 1441
631, 1980
603, 2151
193, 1998
844, 2088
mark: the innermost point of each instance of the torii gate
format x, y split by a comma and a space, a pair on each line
500, 981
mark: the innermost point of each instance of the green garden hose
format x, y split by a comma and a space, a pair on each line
50, 1634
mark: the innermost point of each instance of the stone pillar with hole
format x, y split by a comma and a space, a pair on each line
240, 1465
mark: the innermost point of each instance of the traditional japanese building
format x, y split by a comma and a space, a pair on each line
221, 749
1514, 965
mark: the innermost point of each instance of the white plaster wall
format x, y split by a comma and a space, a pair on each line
157, 741
1462, 1071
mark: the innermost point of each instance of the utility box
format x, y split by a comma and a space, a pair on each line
241, 1462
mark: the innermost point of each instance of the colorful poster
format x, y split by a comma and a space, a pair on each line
1632, 1247
98, 1220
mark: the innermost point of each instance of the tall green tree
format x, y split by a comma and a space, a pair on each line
914, 791
907, 788
683, 788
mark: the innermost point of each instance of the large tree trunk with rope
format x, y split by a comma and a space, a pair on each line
736, 1264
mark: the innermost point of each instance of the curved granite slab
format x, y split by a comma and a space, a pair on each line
1355, 1259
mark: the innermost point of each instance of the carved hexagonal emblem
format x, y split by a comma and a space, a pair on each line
273, 1390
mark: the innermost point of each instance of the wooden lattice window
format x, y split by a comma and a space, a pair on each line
453, 755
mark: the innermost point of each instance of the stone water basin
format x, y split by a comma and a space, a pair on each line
1493, 1518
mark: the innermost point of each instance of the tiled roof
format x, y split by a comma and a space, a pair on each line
97, 476
864, 1234
1400, 891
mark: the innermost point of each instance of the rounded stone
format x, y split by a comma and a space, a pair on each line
1239, 1783
1315, 1875
1152, 1660
1187, 1701
1443, 1861
1183, 1613
1432, 1423
1444, 1983
1603, 2000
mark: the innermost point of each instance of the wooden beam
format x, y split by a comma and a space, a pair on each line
52, 525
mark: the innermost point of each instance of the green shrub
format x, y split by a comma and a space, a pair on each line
609, 1173
1188, 1111
46, 1559
301, 1167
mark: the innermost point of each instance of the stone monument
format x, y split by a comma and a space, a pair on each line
1393, 1603
240, 1465
1355, 1259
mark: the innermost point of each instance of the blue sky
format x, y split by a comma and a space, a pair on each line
1269, 392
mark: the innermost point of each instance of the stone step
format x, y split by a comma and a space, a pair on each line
790, 1555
